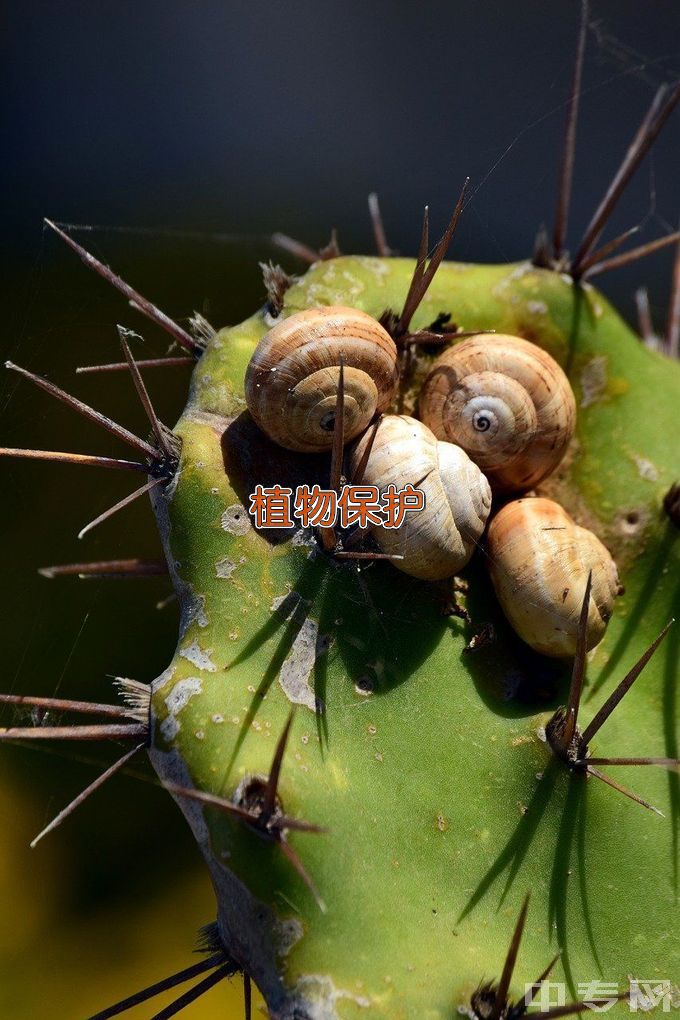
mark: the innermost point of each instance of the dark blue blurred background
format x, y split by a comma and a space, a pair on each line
248, 117
233, 119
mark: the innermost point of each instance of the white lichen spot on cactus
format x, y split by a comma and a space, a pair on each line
224, 568
537, 308
193, 609
645, 468
321, 997
164, 679
308, 646
182, 692
198, 657
522, 270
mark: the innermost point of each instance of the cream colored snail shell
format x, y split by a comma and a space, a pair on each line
507, 403
437, 541
539, 560
291, 382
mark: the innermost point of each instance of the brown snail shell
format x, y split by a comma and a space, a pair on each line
291, 382
437, 541
539, 560
506, 402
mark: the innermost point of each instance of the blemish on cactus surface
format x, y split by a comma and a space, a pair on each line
199, 657
224, 568
646, 469
182, 692
308, 646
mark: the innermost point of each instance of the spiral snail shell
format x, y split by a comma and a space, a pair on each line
291, 381
506, 402
439, 540
539, 560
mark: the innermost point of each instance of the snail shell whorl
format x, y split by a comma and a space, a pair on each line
506, 402
292, 380
439, 540
539, 560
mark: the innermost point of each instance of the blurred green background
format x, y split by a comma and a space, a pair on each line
196, 121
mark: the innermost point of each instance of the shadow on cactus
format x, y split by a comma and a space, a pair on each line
437, 741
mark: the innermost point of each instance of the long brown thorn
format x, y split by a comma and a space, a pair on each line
294, 859
621, 789
195, 993
120, 505
110, 732
92, 788
579, 669
338, 431
297, 248
510, 960
633, 255
358, 475
247, 997
422, 275
271, 789
654, 120
382, 247
122, 366
160, 986
668, 763
569, 149
142, 304
212, 800
65, 705
88, 412
531, 994
83, 459
619, 693
107, 568
673, 325
144, 397
611, 246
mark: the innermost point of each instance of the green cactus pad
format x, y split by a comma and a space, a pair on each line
424, 761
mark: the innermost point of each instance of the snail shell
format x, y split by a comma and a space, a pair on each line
439, 540
539, 560
292, 380
507, 403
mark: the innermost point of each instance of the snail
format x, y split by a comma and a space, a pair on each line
507, 403
437, 541
539, 560
292, 379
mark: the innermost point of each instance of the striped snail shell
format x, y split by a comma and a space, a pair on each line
291, 381
437, 541
539, 560
507, 403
